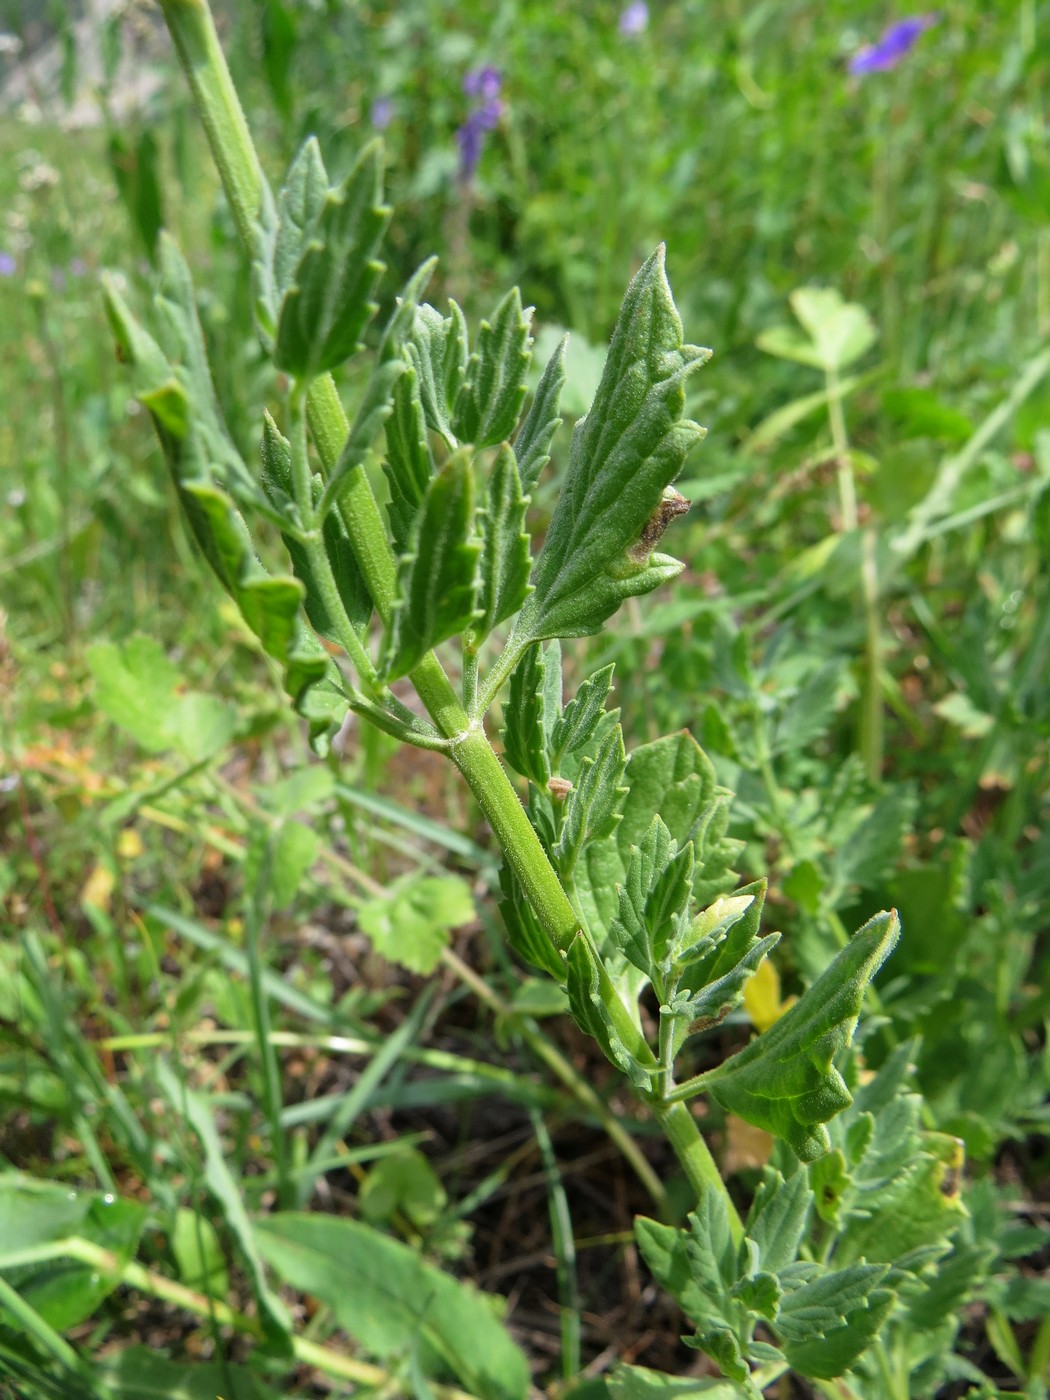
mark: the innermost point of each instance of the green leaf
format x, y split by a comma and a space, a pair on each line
488, 402
327, 305
34, 1213
409, 924
524, 730
506, 556
391, 1301
405, 1182
653, 899
873, 846
524, 930
140, 1373
300, 205
597, 1009
225, 1192
841, 331
828, 1322
592, 808
436, 580
639, 1383
436, 348
581, 716
629, 447
785, 1081
294, 851
198, 1254
532, 446
782, 420
409, 463
778, 1218
139, 689
376, 406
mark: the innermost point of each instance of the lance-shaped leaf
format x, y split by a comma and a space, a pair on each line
503, 575
327, 305
409, 463
777, 1220
630, 446
489, 401
376, 406
533, 443
524, 930
653, 898
581, 716
437, 577
592, 808
785, 1081
598, 1010
524, 731
436, 348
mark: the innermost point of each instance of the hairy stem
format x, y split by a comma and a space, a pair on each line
693, 1153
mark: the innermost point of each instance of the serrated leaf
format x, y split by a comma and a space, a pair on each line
652, 900
712, 1003
581, 716
488, 402
873, 846
640, 1383
299, 208
592, 808
828, 1322
598, 1010
778, 1218
524, 731
506, 556
410, 923
393, 1302
409, 463
398, 328
629, 447
524, 930
722, 1346
785, 1081
533, 443
809, 713
327, 305
437, 576
376, 406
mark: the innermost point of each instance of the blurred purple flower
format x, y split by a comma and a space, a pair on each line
77, 267
8, 266
634, 19
382, 113
896, 41
483, 84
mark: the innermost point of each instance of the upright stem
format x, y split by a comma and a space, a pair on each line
871, 722
693, 1153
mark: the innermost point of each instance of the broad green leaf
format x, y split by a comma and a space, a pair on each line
597, 1009
639, 1383
303, 788
630, 446
524, 729
219, 1180
488, 402
532, 446
592, 808
139, 689
391, 1301
293, 852
829, 1321
653, 898
198, 1254
916, 412
405, 1182
327, 305
506, 556
841, 331
36, 1213
788, 343
140, 1373
581, 716
524, 929
409, 924
785, 1081
437, 577
409, 463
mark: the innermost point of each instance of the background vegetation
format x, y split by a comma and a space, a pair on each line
860, 642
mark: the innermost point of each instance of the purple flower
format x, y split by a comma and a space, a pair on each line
896, 41
484, 85
77, 267
483, 82
8, 266
382, 113
634, 19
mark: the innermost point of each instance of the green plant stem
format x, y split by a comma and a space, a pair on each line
46, 1337
693, 1153
871, 721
